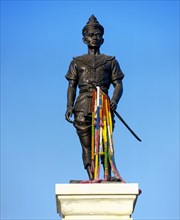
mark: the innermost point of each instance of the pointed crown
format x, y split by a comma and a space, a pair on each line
92, 23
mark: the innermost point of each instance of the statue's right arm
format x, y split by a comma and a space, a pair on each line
71, 95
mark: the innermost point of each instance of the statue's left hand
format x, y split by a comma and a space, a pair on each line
68, 115
113, 105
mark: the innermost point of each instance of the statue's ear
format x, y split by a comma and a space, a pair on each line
102, 41
84, 40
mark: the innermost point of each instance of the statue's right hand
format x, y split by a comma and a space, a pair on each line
68, 115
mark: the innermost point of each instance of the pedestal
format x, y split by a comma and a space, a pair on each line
96, 201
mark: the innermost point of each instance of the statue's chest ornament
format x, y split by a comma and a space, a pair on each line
94, 61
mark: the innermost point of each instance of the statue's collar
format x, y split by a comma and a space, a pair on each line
94, 60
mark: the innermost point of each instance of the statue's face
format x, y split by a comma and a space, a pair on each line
93, 38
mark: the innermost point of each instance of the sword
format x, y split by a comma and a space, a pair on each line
122, 120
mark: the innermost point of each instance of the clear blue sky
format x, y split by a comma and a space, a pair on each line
39, 148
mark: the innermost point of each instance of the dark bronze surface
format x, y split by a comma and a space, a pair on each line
86, 72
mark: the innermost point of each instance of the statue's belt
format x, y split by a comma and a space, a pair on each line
88, 89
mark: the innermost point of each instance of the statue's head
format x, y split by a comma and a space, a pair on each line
93, 33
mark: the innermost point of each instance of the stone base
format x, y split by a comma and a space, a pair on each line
96, 201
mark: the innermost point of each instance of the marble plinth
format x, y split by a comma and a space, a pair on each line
96, 201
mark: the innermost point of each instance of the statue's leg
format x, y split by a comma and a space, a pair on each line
109, 168
107, 173
85, 139
83, 128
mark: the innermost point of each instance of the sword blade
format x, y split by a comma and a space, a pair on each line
122, 120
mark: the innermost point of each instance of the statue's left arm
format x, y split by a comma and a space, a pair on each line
118, 90
117, 76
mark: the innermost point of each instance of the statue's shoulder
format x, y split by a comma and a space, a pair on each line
82, 57
108, 57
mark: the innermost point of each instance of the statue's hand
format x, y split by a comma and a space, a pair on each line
113, 105
68, 115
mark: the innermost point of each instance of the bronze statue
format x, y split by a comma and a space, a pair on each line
87, 72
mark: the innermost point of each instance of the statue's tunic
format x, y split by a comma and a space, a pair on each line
90, 71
